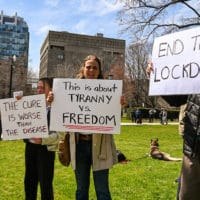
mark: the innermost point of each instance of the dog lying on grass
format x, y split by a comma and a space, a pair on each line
157, 154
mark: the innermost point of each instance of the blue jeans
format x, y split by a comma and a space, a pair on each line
82, 173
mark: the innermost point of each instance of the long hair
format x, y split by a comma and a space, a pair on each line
47, 81
80, 75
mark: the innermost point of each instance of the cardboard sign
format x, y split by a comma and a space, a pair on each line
176, 64
84, 105
24, 118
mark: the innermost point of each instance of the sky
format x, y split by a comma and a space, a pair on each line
75, 16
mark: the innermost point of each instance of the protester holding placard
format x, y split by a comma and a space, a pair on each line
94, 150
189, 182
40, 156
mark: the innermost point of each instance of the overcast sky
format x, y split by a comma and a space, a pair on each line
75, 16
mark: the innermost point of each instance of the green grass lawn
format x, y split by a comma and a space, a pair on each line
143, 178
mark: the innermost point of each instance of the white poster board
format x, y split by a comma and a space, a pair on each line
24, 118
84, 105
176, 64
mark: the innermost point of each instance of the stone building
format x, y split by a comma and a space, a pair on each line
14, 45
62, 53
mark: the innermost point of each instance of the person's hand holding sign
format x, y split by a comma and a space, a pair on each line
50, 97
18, 95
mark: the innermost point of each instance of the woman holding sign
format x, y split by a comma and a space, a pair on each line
40, 156
96, 150
92, 150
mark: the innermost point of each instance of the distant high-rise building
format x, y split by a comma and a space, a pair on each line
14, 46
62, 53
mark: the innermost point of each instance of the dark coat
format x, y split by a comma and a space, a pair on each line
191, 134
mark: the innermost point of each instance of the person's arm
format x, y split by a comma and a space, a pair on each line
53, 138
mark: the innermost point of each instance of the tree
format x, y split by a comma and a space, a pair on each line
149, 18
32, 78
136, 79
143, 20
31, 73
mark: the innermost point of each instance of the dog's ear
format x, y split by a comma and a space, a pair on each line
157, 139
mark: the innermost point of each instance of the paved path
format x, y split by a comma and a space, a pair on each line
146, 123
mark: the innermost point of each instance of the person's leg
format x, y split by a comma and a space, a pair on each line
190, 179
31, 178
178, 181
101, 184
82, 172
46, 172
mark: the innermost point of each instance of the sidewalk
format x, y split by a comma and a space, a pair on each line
146, 123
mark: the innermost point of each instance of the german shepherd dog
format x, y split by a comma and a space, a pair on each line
157, 154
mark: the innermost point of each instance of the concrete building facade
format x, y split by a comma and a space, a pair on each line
62, 53
14, 43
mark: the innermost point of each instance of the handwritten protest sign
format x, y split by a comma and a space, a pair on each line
83, 105
176, 63
24, 118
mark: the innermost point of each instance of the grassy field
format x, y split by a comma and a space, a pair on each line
143, 178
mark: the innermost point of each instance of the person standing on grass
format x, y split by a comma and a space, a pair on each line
151, 115
163, 116
96, 151
40, 156
189, 182
138, 116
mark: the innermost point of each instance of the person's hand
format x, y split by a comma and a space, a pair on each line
37, 140
50, 97
18, 95
149, 68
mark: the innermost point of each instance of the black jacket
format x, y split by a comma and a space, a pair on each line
191, 135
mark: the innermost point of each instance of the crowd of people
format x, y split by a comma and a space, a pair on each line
136, 116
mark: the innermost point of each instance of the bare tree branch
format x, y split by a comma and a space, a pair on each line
148, 17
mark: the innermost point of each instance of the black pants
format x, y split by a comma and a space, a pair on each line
39, 168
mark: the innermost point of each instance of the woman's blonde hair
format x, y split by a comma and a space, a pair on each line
80, 75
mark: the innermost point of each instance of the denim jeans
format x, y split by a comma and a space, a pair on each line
82, 173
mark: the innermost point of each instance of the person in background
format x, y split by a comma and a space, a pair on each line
163, 116
160, 115
96, 151
138, 116
40, 155
152, 113
189, 128
132, 116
